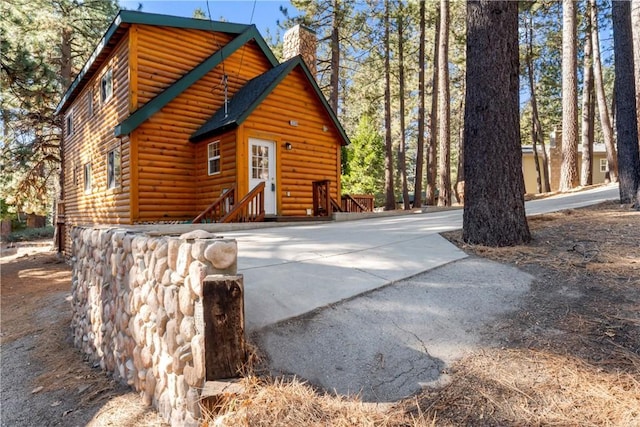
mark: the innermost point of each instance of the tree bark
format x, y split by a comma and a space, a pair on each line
402, 157
605, 119
586, 176
432, 150
417, 196
444, 123
569, 166
534, 106
494, 211
635, 28
625, 90
459, 187
335, 57
390, 200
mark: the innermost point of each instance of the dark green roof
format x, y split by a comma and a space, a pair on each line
127, 17
252, 94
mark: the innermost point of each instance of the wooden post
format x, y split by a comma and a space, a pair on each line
223, 315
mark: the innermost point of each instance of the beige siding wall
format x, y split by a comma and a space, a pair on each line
529, 170
91, 140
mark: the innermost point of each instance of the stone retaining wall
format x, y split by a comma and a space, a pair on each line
137, 310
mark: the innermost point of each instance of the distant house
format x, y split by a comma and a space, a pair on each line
599, 165
171, 113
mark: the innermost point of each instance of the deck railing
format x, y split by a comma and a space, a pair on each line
217, 210
323, 203
250, 208
357, 203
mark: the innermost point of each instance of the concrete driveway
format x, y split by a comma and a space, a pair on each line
290, 271
317, 305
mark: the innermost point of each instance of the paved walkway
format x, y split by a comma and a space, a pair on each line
290, 271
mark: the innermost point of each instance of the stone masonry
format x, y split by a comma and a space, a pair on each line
137, 310
301, 40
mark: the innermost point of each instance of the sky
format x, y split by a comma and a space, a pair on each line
265, 14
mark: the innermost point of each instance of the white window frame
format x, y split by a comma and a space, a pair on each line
87, 177
113, 168
212, 158
604, 166
106, 82
69, 124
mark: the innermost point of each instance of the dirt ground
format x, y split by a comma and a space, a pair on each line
45, 380
569, 355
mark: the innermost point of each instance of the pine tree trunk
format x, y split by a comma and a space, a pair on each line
635, 28
417, 193
390, 202
626, 123
586, 176
569, 166
605, 120
402, 155
444, 122
335, 57
432, 150
459, 187
494, 211
535, 128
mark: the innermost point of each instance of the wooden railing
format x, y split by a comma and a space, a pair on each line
357, 203
250, 208
323, 203
220, 208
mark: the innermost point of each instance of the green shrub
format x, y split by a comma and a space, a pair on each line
30, 234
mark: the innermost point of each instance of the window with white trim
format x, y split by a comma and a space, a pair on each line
113, 168
213, 155
106, 86
604, 166
87, 178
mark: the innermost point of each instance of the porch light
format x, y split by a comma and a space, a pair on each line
288, 146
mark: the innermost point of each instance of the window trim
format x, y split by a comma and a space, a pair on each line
104, 96
604, 166
86, 177
213, 158
113, 181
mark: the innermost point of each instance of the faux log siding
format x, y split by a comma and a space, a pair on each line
92, 140
167, 162
209, 187
315, 153
165, 54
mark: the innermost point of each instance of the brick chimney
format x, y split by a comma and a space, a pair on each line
301, 40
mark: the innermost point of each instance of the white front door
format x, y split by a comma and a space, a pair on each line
262, 168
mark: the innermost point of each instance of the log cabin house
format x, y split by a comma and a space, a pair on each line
176, 119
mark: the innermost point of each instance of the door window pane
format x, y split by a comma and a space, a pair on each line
259, 162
